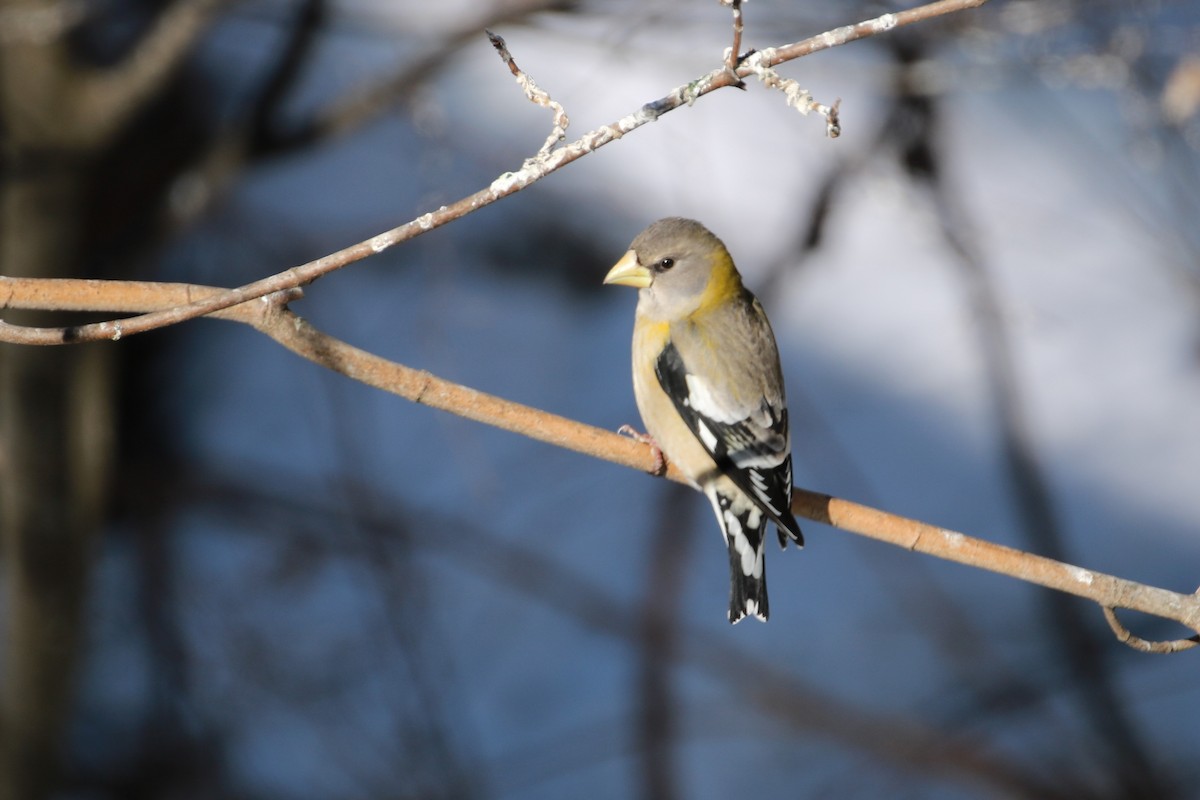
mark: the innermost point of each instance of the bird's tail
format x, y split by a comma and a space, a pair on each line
744, 525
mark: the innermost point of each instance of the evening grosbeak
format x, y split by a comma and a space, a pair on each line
709, 388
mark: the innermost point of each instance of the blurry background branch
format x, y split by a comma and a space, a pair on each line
761, 686
93, 103
108, 97
270, 316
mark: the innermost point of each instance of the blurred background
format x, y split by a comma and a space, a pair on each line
229, 573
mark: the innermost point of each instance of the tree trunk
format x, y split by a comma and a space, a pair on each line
55, 451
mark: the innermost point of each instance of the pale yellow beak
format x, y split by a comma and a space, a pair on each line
628, 272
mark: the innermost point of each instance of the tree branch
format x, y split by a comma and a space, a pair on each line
533, 170
535, 94
271, 316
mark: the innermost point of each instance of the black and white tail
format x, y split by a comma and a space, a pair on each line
744, 525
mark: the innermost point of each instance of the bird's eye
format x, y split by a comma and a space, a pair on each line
664, 265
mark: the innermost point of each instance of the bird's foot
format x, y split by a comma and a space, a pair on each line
660, 460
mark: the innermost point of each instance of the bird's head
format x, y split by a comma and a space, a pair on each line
680, 266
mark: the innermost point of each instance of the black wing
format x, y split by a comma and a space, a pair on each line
753, 455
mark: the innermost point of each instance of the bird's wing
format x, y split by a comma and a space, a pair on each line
732, 401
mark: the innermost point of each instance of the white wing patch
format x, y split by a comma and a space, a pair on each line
704, 402
748, 459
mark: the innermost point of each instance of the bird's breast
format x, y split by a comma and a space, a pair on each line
662, 420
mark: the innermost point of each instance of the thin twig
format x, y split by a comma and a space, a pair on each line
271, 317
1137, 643
797, 97
535, 94
533, 170
735, 51
733, 56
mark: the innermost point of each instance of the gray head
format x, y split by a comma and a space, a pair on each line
679, 265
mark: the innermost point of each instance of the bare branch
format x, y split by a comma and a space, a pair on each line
270, 316
797, 98
536, 95
146, 297
532, 171
733, 55
852, 33
1106, 590
1137, 643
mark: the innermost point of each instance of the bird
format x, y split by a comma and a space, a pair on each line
709, 388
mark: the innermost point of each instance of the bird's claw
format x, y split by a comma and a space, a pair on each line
660, 460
